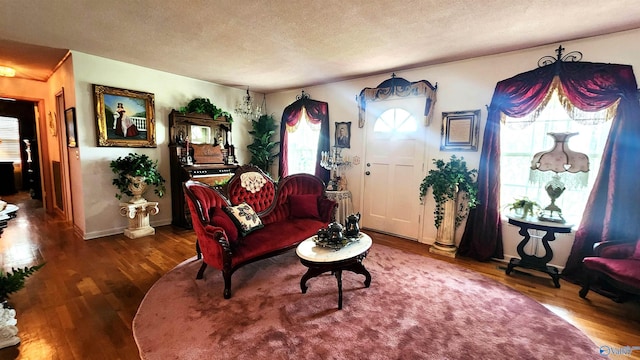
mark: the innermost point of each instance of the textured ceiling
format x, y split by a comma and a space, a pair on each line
277, 45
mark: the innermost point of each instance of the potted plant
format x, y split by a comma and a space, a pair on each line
447, 181
523, 207
205, 106
134, 173
13, 281
262, 147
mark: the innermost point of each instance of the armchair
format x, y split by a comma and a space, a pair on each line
616, 267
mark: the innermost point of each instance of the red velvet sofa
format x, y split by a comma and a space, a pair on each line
614, 271
289, 212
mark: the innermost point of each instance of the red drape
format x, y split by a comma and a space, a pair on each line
317, 112
610, 212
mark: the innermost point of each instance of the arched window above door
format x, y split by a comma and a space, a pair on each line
395, 120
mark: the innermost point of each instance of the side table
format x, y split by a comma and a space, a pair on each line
345, 204
533, 261
320, 260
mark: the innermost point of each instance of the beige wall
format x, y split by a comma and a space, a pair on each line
98, 208
462, 85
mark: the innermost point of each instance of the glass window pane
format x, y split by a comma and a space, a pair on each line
303, 147
518, 145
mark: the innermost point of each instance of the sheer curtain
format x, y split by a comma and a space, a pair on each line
317, 113
611, 209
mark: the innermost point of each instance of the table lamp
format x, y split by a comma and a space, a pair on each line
546, 165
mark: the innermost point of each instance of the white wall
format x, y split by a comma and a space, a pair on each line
98, 208
462, 85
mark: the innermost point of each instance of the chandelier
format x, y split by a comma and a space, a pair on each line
247, 110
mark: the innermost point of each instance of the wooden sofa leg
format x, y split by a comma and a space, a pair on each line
585, 287
201, 271
227, 284
198, 251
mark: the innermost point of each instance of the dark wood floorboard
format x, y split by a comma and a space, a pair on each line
82, 303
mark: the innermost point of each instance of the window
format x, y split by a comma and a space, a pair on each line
303, 146
520, 140
9, 139
395, 120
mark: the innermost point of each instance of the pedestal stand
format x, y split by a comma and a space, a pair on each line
445, 239
8, 329
138, 215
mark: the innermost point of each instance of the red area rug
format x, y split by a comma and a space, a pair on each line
416, 308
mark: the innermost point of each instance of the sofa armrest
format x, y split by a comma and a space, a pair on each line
614, 249
327, 209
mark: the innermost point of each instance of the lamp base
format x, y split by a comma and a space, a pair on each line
552, 212
557, 218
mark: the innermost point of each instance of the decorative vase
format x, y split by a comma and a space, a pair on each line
137, 186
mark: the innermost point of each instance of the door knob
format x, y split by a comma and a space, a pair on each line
367, 173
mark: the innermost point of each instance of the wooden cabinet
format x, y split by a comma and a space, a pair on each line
200, 148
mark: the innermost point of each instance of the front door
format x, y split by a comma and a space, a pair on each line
393, 168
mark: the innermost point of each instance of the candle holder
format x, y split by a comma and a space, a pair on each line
334, 161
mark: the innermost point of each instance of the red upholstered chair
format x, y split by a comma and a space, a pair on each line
615, 268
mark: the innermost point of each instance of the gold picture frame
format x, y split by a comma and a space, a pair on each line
460, 130
125, 118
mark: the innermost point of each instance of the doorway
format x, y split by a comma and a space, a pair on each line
394, 162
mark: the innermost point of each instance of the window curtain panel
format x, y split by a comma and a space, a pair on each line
317, 113
611, 212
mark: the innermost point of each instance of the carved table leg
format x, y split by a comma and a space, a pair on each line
311, 273
338, 275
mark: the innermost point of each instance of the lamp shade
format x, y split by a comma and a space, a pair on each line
560, 158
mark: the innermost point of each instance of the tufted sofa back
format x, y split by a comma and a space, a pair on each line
249, 184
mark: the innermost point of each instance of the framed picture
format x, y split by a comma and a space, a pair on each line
343, 135
124, 117
70, 123
460, 130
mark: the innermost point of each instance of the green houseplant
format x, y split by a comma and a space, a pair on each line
13, 281
205, 106
447, 181
524, 207
136, 171
261, 149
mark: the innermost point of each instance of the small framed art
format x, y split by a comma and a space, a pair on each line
70, 123
343, 135
460, 130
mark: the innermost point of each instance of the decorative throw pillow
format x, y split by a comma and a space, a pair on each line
244, 217
304, 206
218, 217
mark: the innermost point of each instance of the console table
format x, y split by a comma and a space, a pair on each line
345, 204
533, 261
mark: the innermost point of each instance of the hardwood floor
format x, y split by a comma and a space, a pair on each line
82, 303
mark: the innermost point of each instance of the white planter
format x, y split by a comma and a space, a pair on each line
137, 186
445, 237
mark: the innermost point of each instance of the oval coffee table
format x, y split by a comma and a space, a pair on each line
322, 259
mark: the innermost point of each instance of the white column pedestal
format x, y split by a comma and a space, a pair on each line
138, 215
445, 238
8, 329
